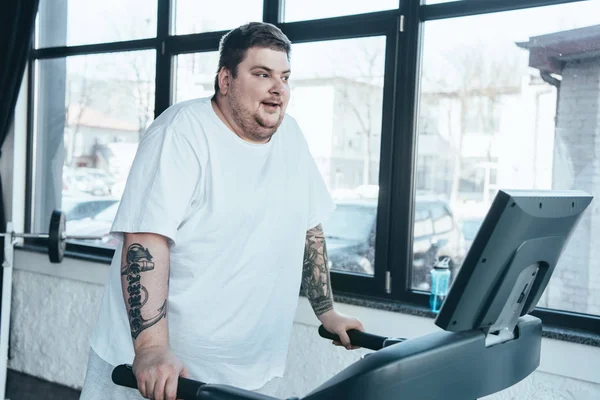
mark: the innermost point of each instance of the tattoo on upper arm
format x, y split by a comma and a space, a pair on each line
139, 260
315, 272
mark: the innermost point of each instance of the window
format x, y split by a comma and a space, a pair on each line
350, 234
472, 179
91, 111
341, 96
440, 239
75, 22
481, 114
500, 100
508, 125
423, 173
299, 10
443, 225
194, 16
195, 75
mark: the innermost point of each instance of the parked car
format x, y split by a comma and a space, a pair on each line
436, 236
99, 174
350, 234
82, 206
85, 180
97, 225
469, 228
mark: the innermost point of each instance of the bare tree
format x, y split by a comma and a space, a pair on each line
362, 99
141, 85
360, 89
78, 99
475, 78
143, 93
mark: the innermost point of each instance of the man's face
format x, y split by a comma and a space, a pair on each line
259, 94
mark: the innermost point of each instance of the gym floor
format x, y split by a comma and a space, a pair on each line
20, 386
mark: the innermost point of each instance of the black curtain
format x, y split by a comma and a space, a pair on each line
17, 21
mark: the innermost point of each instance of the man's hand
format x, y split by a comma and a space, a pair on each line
338, 323
157, 370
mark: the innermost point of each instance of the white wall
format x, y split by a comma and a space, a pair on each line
54, 309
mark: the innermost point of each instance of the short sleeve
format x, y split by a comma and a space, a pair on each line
320, 203
161, 185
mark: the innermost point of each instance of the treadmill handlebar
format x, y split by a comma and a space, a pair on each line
189, 389
186, 388
360, 339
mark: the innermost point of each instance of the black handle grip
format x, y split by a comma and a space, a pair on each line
187, 389
357, 338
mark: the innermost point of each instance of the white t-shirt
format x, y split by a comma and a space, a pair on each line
235, 215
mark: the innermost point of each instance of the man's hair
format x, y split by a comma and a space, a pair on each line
235, 44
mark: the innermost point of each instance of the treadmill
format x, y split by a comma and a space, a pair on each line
489, 340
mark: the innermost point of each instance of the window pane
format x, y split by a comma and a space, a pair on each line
77, 22
439, 1
193, 16
337, 103
195, 75
90, 112
300, 10
491, 117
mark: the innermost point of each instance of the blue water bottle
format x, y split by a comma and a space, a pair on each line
440, 283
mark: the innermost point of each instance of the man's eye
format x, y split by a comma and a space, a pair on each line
262, 75
286, 78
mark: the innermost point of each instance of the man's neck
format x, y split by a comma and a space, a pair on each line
224, 112
219, 106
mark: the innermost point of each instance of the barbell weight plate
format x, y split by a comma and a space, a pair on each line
56, 244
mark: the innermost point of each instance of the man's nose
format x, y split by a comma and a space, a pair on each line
278, 87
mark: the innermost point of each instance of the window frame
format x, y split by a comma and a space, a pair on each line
382, 23
402, 28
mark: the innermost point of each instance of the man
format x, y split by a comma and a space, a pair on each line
220, 224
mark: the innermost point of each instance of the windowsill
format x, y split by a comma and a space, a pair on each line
571, 335
550, 332
74, 251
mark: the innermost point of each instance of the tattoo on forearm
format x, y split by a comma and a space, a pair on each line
139, 260
315, 273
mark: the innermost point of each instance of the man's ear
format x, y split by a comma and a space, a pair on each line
224, 77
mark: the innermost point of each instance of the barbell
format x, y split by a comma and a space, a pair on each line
57, 237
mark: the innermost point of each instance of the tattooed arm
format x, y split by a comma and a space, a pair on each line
144, 280
145, 284
315, 272
317, 287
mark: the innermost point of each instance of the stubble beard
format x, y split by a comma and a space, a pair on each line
251, 123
